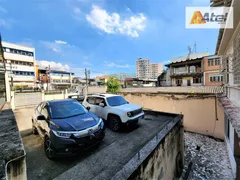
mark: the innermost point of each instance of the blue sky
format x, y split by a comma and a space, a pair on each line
105, 36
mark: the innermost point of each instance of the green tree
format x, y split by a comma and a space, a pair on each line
113, 86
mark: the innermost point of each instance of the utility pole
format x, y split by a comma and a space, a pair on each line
48, 71
86, 76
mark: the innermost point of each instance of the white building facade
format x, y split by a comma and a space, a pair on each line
20, 64
228, 46
146, 70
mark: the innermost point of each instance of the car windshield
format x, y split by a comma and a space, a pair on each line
116, 101
66, 110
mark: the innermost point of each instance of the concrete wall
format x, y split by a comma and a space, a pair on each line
93, 89
12, 153
234, 95
166, 161
179, 89
201, 114
161, 158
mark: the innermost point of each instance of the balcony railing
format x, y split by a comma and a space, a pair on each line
187, 73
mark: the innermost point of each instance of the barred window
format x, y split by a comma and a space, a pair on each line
236, 59
214, 62
215, 78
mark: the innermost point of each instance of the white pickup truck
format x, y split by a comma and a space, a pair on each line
114, 109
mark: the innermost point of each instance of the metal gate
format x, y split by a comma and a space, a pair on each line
27, 99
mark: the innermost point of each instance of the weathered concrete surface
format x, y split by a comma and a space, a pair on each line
106, 160
208, 156
202, 114
160, 158
24, 119
181, 89
233, 113
11, 147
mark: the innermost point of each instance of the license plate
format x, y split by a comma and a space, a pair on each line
140, 118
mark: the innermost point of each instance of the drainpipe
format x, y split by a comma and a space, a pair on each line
216, 116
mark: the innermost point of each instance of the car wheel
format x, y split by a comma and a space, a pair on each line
49, 149
114, 123
34, 130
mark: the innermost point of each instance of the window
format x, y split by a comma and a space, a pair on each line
91, 100
116, 101
44, 112
216, 78
39, 108
63, 110
178, 81
99, 100
197, 80
236, 59
214, 62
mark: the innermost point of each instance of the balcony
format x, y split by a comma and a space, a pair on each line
187, 71
187, 74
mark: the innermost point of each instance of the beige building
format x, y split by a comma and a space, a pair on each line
228, 46
211, 70
147, 70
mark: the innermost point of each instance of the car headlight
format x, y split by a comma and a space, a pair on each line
101, 124
129, 114
62, 134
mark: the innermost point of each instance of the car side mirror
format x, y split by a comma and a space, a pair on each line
102, 104
41, 117
88, 108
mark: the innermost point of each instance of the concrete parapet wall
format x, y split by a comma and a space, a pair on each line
12, 154
202, 113
160, 158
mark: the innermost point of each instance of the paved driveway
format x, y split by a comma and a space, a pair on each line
24, 119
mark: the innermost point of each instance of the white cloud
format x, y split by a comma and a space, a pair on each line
57, 46
76, 10
112, 23
43, 64
60, 42
3, 10
112, 64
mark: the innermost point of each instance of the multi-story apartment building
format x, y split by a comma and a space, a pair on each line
211, 70
155, 70
20, 64
146, 70
54, 79
187, 70
142, 68
196, 69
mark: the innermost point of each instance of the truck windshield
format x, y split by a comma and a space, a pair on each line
66, 110
116, 101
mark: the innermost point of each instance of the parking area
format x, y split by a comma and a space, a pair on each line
105, 160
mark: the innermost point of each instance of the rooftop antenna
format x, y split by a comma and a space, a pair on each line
195, 47
189, 50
